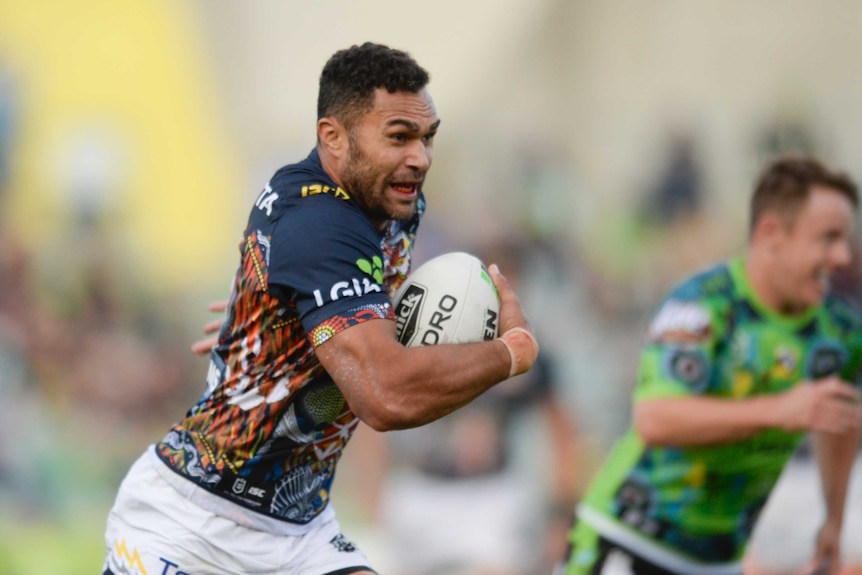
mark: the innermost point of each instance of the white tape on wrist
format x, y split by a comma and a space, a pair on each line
520, 364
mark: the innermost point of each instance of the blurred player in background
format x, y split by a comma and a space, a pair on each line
781, 542
740, 361
308, 348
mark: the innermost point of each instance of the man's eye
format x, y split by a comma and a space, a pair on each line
399, 137
429, 137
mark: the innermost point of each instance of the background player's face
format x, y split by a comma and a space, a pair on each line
813, 247
390, 152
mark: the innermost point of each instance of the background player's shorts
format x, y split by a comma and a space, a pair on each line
590, 553
153, 529
610, 559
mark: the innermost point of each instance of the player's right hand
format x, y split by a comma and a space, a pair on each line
831, 405
204, 345
514, 328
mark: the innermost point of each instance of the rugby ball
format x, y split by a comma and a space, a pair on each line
448, 299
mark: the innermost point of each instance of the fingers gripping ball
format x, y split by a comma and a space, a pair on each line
448, 299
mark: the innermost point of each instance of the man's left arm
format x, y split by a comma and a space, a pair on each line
835, 456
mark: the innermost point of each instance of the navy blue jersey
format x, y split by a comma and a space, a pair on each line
271, 425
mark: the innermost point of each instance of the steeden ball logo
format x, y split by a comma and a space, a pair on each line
407, 312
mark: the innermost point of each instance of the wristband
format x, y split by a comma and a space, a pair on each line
522, 347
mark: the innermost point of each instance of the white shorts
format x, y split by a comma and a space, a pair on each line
154, 530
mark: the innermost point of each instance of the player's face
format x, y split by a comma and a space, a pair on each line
390, 152
811, 249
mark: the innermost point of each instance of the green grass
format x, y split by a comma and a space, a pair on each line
52, 547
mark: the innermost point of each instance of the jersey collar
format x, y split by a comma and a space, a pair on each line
744, 287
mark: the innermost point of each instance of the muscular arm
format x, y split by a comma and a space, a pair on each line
389, 386
828, 406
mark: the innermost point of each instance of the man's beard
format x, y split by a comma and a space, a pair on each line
365, 186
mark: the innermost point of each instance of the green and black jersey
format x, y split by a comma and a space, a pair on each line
713, 337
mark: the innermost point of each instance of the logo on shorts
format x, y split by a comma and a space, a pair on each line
125, 560
239, 485
342, 544
130, 563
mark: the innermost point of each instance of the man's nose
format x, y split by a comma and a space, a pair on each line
842, 254
419, 156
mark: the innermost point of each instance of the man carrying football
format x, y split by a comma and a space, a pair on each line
308, 348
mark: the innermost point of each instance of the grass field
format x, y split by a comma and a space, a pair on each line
53, 547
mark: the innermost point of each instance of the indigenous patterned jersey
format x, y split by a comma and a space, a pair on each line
713, 337
271, 425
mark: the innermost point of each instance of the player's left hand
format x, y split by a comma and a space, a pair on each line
204, 345
827, 553
515, 332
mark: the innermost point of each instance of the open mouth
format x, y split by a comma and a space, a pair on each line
405, 189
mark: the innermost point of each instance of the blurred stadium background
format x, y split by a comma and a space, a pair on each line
615, 140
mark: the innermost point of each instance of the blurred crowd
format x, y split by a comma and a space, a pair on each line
88, 371
94, 365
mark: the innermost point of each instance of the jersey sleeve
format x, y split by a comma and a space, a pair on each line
678, 357
852, 370
326, 259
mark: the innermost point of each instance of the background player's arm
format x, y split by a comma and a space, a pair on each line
828, 406
690, 421
835, 455
389, 386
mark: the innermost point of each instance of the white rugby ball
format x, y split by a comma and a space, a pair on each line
448, 299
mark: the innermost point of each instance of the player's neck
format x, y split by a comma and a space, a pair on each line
765, 282
329, 164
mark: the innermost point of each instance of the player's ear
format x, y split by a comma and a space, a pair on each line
332, 136
770, 228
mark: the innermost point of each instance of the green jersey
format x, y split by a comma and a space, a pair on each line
713, 337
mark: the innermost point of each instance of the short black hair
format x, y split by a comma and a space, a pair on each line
350, 77
786, 181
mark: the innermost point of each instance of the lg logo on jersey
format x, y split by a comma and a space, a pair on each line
355, 287
351, 288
